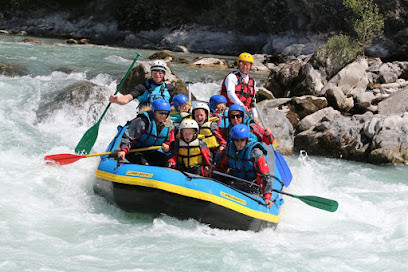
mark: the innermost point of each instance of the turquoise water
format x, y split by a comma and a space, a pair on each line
50, 219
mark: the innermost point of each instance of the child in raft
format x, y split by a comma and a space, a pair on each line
187, 152
182, 106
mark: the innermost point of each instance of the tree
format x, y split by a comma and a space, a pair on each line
368, 22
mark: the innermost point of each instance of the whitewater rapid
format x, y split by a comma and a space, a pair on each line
51, 220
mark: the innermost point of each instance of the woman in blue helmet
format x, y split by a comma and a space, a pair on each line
149, 128
236, 115
152, 89
246, 159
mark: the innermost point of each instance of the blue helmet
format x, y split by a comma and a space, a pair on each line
160, 104
240, 131
178, 100
236, 107
215, 99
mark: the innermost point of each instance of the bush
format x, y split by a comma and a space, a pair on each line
368, 23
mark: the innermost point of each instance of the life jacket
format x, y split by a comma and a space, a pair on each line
151, 137
178, 117
189, 154
209, 138
244, 91
224, 121
239, 162
153, 92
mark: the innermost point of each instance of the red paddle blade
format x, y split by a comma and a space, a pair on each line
63, 159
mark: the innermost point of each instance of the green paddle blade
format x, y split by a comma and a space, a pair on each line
88, 140
319, 202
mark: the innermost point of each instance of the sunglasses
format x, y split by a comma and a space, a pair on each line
244, 63
158, 71
240, 140
232, 116
163, 112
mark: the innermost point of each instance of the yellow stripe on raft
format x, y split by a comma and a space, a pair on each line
190, 193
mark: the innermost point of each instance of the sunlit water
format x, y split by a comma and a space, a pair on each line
51, 220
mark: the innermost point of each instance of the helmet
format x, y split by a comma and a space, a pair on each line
237, 107
178, 100
240, 131
215, 99
188, 123
160, 104
159, 65
202, 105
246, 57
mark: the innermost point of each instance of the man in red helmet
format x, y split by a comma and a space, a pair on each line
239, 87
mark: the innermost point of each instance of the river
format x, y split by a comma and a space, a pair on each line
51, 220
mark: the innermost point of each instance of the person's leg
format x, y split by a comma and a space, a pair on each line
157, 158
137, 158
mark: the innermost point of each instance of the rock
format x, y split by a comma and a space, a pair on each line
308, 104
180, 48
4, 32
75, 96
263, 94
337, 99
273, 103
390, 144
282, 129
32, 41
12, 70
351, 75
310, 120
284, 78
210, 63
395, 103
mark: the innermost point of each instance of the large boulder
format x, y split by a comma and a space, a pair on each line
282, 129
395, 103
75, 96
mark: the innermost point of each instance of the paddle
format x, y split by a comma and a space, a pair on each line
88, 140
63, 159
286, 174
314, 201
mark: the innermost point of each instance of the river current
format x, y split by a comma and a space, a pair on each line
51, 220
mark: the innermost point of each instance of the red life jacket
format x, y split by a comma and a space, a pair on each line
245, 92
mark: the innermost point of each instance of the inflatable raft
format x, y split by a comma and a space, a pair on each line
157, 190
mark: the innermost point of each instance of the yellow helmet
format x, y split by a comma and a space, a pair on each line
246, 57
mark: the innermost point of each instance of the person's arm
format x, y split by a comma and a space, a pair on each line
132, 133
230, 83
174, 147
171, 90
261, 133
262, 170
216, 131
121, 100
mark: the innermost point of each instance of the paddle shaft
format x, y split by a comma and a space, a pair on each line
273, 143
130, 151
313, 201
120, 85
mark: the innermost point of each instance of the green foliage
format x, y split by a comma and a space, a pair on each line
342, 48
368, 22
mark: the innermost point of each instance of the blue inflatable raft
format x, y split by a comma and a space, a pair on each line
157, 190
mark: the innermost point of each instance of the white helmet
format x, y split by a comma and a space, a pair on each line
159, 65
188, 123
202, 105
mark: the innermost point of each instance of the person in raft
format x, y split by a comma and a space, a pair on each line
182, 106
201, 114
149, 128
239, 87
152, 89
218, 107
187, 152
236, 115
246, 159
